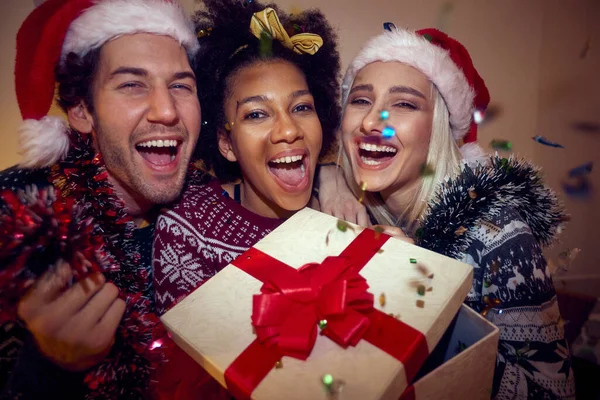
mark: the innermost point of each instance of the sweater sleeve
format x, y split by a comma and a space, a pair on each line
35, 377
511, 274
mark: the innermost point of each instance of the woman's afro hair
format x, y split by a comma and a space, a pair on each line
227, 45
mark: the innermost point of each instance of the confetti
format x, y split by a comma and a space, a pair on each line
586, 126
363, 189
581, 170
378, 231
204, 123
586, 47
204, 32
430, 289
428, 37
426, 170
460, 347
413, 260
421, 290
322, 324
577, 187
397, 316
388, 132
266, 44
444, 16
472, 193
498, 144
388, 26
385, 114
422, 270
487, 284
228, 126
460, 231
278, 364
420, 303
327, 379
342, 225
542, 140
489, 304
382, 299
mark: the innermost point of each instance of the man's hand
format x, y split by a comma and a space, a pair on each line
73, 326
336, 198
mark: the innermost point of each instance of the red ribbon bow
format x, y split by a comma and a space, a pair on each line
285, 315
293, 301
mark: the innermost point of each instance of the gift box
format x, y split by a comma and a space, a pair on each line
321, 300
462, 364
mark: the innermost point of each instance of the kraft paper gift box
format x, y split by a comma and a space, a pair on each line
462, 364
275, 344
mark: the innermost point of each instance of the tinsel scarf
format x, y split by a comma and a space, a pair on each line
476, 193
88, 208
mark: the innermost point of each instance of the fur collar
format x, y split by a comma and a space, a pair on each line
478, 194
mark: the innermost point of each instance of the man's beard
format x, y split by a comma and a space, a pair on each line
122, 167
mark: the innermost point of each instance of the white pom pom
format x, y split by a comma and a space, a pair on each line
474, 155
43, 142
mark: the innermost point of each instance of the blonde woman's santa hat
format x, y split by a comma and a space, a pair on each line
446, 63
59, 27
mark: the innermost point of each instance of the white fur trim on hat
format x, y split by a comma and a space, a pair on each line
473, 155
43, 142
110, 19
434, 62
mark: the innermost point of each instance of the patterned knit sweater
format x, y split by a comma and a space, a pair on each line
497, 218
199, 236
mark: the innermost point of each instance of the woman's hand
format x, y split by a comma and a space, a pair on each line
336, 198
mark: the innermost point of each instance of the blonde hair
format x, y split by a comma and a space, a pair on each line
443, 157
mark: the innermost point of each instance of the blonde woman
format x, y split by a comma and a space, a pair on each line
408, 101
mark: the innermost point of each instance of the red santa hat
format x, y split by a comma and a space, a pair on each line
448, 66
59, 27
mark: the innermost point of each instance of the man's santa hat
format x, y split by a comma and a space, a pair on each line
448, 66
59, 27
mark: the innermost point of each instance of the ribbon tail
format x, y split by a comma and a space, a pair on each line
401, 341
249, 369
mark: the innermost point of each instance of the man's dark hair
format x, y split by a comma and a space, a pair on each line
75, 77
227, 45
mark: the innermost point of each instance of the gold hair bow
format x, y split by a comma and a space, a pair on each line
268, 21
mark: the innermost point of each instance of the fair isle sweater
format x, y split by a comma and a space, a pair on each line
497, 218
197, 237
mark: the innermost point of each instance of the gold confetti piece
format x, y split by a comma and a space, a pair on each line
379, 251
278, 364
420, 303
423, 270
427, 170
378, 231
430, 289
472, 193
460, 231
382, 299
396, 316
228, 126
363, 189
253, 330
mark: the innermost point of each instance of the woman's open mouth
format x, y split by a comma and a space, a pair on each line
290, 170
375, 156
